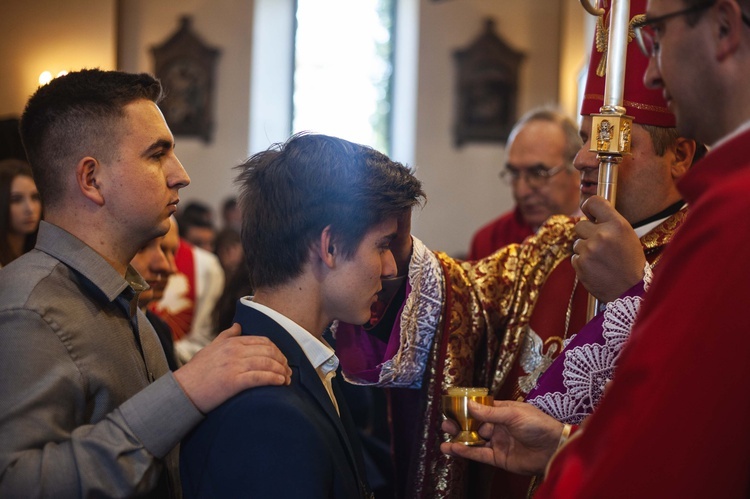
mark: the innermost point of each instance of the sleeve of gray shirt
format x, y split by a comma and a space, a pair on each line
47, 448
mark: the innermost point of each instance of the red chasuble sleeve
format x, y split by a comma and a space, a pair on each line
675, 421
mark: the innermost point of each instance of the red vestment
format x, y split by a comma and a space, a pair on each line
674, 422
189, 299
508, 228
478, 335
180, 320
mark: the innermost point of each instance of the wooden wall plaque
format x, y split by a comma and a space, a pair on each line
487, 73
187, 70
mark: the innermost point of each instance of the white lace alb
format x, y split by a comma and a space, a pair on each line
588, 368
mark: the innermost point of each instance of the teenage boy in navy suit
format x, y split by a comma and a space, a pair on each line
319, 215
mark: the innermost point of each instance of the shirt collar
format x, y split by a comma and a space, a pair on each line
64, 246
645, 229
319, 353
641, 228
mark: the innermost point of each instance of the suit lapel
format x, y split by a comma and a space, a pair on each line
353, 442
255, 323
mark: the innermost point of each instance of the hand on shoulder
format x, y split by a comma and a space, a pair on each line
229, 364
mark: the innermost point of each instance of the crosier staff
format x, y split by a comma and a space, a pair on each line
611, 127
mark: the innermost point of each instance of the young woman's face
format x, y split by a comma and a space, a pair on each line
25, 205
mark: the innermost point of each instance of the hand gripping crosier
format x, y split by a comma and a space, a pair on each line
611, 127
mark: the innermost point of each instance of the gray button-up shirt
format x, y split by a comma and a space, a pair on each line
79, 413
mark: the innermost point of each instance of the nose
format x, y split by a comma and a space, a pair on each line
388, 265
28, 205
585, 159
160, 263
521, 187
177, 177
33, 207
172, 266
652, 76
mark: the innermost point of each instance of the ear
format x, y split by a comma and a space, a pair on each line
684, 152
326, 249
728, 28
88, 170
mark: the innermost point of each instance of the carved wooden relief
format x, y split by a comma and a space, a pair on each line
487, 88
186, 68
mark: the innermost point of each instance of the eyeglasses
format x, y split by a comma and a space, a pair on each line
648, 36
535, 177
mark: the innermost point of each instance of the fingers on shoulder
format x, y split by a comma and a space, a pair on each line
235, 330
261, 377
258, 345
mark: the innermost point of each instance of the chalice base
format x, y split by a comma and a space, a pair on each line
470, 438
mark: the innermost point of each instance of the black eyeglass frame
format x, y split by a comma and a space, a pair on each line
541, 174
641, 35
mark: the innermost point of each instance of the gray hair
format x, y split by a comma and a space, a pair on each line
569, 128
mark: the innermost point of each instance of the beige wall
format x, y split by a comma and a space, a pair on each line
223, 24
50, 35
463, 188
462, 185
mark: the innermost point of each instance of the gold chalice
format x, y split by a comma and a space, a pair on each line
456, 407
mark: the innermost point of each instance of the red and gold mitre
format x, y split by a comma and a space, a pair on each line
647, 106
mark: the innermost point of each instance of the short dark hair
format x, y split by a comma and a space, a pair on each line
195, 214
226, 238
292, 191
663, 138
229, 204
77, 115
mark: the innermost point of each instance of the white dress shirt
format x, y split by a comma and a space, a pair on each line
318, 352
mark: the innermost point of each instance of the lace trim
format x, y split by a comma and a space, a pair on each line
648, 275
419, 321
588, 368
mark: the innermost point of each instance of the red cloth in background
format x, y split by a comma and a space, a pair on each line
507, 229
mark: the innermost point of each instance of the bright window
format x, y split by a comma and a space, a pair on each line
343, 69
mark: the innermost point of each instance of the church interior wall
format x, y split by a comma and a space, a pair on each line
462, 185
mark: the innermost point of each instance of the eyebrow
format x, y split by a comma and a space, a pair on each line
510, 166
388, 237
159, 144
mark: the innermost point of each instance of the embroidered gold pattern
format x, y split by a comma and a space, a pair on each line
496, 296
629, 103
601, 40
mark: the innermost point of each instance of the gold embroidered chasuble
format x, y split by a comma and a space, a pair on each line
487, 307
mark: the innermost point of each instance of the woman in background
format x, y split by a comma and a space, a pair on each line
20, 210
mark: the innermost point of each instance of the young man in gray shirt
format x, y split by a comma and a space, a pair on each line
87, 405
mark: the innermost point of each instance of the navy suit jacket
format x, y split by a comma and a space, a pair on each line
275, 441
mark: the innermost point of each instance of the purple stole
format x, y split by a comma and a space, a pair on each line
574, 383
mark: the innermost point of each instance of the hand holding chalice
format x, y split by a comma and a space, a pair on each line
456, 407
